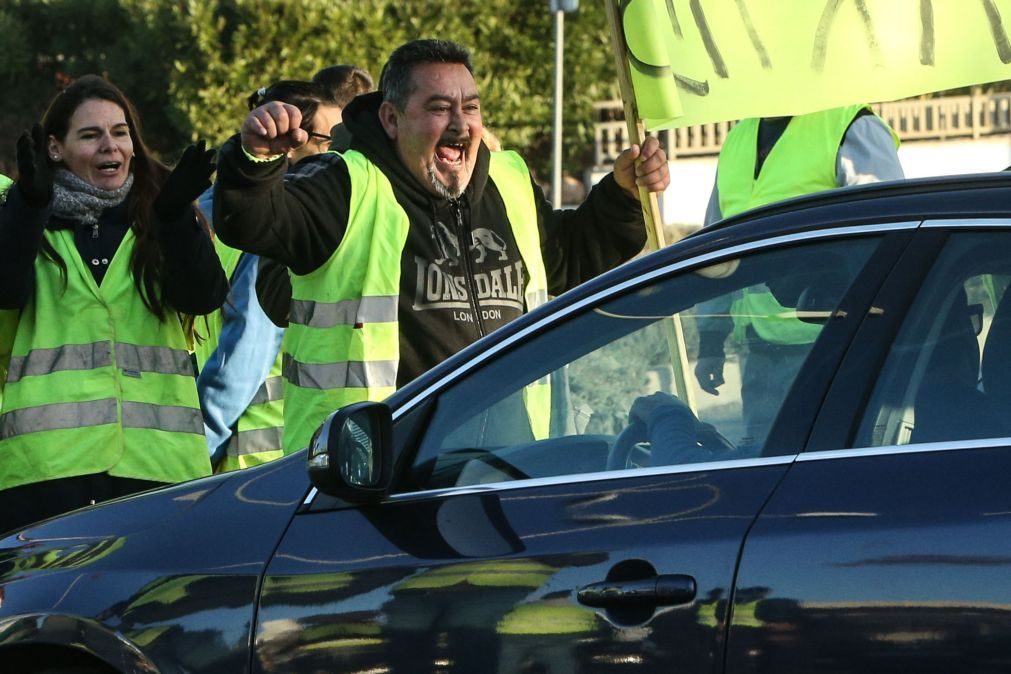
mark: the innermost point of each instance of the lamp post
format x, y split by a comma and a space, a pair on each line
559, 8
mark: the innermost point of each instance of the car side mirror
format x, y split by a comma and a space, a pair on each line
351, 456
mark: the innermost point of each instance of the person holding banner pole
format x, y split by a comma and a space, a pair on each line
762, 161
417, 241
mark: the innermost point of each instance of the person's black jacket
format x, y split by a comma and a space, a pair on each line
191, 279
460, 263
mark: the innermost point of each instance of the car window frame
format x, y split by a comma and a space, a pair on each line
845, 406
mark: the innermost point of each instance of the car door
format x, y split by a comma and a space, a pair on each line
887, 547
587, 543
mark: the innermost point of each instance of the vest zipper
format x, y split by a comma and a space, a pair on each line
461, 233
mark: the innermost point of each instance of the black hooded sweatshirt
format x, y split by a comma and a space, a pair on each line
461, 272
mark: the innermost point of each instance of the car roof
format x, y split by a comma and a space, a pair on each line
975, 195
972, 196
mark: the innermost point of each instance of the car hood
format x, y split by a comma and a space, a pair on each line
175, 570
180, 523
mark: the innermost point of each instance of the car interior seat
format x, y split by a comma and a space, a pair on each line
996, 370
949, 404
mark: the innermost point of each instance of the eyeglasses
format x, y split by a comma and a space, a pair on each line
320, 136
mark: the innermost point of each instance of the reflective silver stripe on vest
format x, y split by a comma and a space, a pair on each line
255, 441
160, 359
57, 416
354, 374
373, 309
163, 418
62, 358
270, 390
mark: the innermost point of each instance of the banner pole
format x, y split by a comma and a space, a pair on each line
656, 237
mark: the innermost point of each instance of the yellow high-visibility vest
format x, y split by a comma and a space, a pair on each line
96, 382
259, 430
342, 344
802, 161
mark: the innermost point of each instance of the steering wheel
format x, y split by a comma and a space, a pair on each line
711, 445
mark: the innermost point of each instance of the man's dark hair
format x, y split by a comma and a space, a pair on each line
341, 83
395, 80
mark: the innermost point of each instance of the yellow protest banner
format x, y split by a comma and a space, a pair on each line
701, 61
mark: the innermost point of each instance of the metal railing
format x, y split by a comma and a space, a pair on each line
913, 120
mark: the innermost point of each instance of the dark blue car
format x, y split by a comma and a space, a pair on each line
781, 445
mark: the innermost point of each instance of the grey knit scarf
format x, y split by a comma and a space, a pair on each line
76, 199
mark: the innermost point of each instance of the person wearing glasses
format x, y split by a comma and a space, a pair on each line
320, 113
240, 371
340, 84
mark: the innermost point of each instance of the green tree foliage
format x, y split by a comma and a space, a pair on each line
53, 41
190, 64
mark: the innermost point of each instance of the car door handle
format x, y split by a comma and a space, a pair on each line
663, 590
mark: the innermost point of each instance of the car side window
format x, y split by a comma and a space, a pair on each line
689, 369
947, 376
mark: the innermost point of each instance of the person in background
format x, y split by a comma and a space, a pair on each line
241, 392
763, 161
839, 147
490, 140
341, 83
415, 242
102, 252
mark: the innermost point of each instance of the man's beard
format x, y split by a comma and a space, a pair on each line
452, 191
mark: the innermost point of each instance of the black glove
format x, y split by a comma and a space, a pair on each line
709, 373
188, 180
35, 175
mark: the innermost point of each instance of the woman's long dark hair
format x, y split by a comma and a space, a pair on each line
148, 176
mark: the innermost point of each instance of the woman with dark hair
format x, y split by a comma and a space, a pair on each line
105, 261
